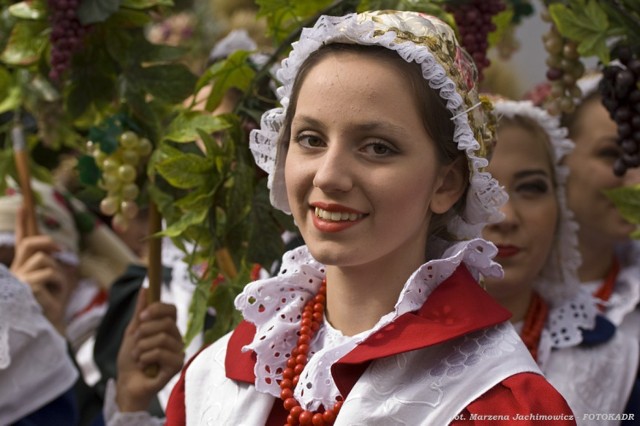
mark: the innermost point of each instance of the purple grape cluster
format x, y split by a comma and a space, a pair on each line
66, 35
474, 21
620, 89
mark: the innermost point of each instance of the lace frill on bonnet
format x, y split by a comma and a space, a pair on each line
397, 31
275, 306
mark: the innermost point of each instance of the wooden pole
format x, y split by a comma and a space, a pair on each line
225, 263
154, 267
21, 157
154, 270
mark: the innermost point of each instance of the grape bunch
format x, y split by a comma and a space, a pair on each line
564, 70
620, 89
119, 172
474, 21
66, 35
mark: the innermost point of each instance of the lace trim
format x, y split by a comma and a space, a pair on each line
17, 308
566, 321
484, 197
275, 306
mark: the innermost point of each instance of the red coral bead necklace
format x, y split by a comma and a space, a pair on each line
534, 321
312, 317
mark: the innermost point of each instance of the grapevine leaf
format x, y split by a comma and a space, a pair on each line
221, 299
233, 72
26, 43
6, 82
88, 170
595, 45
127, 18
185, 171
12, 100
284, 16
193, 217
93, 11
578, 24
44, 89
197, 310
169, 82
197, 200
93, 83
184, 128
627, 200
502, 22
140, 108
140, 50
146, 4
264, 241
596, 15
35, 10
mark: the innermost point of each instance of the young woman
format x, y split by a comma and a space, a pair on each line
611, 263
377, 152
538, 250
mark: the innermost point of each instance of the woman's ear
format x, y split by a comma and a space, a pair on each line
452, 183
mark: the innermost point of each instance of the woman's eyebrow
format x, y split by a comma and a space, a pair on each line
305, 120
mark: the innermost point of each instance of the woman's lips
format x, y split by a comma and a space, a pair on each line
334, 217
507, 251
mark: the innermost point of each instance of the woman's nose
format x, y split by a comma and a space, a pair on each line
335, 169
510, 220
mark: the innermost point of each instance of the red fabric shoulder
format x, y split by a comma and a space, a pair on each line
523, 399
176, 414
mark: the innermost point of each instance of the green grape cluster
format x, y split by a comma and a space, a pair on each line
119, 173
564, 70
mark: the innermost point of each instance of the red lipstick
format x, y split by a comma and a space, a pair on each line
507, 251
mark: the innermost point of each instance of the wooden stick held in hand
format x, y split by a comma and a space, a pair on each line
21, 157
154, 268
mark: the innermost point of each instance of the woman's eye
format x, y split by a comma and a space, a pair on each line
533, 188
378, 149
610, 153
309, 141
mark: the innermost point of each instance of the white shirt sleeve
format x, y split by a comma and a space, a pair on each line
113, 416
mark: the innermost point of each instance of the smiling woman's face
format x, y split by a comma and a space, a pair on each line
522, 164
363, 176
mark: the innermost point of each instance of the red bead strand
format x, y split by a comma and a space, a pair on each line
312, 317
606, 289
533, 324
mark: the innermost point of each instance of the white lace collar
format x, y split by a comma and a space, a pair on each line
626, 294
565, 323
275, 306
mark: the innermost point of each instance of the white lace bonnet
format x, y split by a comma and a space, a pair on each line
418, 38
559, 281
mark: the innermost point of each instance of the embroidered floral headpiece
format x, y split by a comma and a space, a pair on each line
446, 67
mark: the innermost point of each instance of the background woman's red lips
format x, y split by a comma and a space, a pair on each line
507, 251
